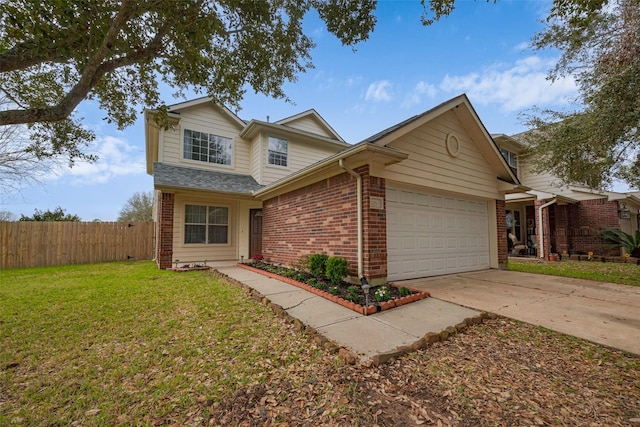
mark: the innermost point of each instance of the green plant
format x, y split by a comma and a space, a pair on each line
383, 293
620, 239
299, 277
317, 265
312, 282
336, 269
333, 290
404, 292
322, 286
353, 293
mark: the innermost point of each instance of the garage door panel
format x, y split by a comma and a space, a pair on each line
430, 234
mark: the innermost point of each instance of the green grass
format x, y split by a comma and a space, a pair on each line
126, 343
624, 274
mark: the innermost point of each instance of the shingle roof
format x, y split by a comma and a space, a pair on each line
200, 179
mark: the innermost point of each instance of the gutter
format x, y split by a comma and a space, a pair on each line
541, 252
359, 207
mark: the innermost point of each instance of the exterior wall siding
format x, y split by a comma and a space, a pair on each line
309, 124
319, 218
586, 219
430, 165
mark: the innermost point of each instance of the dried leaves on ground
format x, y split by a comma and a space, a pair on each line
499, 373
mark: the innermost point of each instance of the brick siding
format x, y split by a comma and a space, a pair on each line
322, 218
165, 228
586, 220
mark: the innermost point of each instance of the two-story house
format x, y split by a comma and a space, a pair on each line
423, 197
572, 217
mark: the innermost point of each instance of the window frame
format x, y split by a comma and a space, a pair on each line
510, 157
205, 153
207, 225
278, 153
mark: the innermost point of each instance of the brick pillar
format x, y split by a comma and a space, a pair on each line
562, 228
165, 236
374, 227
503, 248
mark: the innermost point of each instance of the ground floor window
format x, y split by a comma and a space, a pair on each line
206, 224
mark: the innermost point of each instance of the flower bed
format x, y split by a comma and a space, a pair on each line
351, 296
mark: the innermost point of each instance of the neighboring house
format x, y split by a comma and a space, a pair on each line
424, 197
572, 216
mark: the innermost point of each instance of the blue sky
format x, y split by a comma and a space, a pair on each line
402, 70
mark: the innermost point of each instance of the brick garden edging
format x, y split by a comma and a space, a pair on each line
417, 294
346, 354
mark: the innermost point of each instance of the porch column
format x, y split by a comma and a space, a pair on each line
542, 227
165, 235
562, 229
374, 226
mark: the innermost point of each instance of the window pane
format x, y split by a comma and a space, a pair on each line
218, 234
195, 233
219, 150
277, 151
218, 215
195, 214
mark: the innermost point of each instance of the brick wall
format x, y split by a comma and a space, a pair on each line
503, 249
165, 235
319, 218
586, 219
374, 225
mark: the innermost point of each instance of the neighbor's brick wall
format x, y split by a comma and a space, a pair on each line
319, 218
586, 219
503, 248
374, 225
165, 235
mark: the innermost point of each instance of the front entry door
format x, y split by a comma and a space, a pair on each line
255, 232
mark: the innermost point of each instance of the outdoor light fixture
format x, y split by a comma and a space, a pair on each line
365, 288
624, 212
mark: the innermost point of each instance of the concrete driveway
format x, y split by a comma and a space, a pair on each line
604, 313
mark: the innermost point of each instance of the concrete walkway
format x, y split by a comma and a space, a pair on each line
367, 336
604, 313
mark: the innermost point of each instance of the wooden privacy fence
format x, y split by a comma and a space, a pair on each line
37, 244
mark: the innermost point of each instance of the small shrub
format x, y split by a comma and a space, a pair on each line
322, 286
302, 264
317, 265
404, 292
336, 269
299, 277
312, 282
333, 290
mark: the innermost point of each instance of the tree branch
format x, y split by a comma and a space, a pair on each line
92, 72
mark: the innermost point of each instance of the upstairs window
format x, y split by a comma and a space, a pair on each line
512, 160
277, 151
206, 224
206, 147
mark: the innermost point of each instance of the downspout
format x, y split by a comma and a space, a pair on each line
359, 208
541, 239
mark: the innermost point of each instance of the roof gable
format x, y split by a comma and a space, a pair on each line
466, 114
311, 121
204, 103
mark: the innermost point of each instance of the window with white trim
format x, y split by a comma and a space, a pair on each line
512, 160
277, 151
207, 147
206, 224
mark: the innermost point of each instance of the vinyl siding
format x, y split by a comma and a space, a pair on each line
256, 160
430, 165
311, 125
548, 183
300, 155
205, 118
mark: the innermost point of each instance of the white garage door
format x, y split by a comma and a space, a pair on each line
431, 234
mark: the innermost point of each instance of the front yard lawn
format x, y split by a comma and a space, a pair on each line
127, 344
624, 274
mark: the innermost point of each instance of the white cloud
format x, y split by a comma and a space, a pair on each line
421, 90
116, 157
378, 91
518, 87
